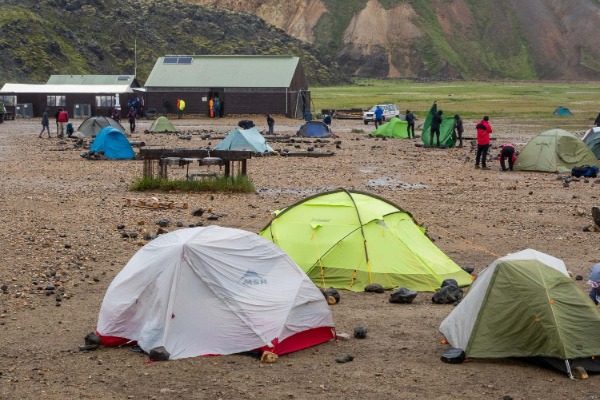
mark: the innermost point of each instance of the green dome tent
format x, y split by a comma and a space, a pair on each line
592, 140
245, 139
349, 239
91, 126
162, 125
526, 305
395, 128
447, 139
555, 150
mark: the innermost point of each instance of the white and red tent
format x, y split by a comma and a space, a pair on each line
213, 290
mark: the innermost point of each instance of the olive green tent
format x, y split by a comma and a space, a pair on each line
447, 138
162, 125
395, 128
526, 305
93, 125
592, 140
349, 239
555, 150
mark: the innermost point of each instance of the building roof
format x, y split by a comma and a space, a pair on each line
64, 89
92, 80
223, 71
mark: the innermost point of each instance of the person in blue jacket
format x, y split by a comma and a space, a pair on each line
378, 116
594, 282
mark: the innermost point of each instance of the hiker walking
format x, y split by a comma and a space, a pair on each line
409, 117
458, 129
507, 152
378, 116
45, 123
436, 122
132, 116
483, 142
270, 124
63, 118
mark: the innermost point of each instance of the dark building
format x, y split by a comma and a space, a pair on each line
243, 84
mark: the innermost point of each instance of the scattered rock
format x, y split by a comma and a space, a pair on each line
163, 222
590, 228
268, 357
468, 270
92, 339
179, 224
402, 296
198, 212
453, 356
213, 217
342, 336
447, 295
374, 288
360, 332
161, 231
449, 282
579, 372
579, 278
331, 292
121, 226
344, 359
159, 354
596, 215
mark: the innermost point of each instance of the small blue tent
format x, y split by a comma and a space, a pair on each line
113, 143
245, 139
315, 129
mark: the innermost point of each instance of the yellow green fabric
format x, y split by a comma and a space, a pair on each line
162, 125
349, 239
555, 150
395, 128
531, 309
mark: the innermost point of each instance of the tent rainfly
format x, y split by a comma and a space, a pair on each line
162, 125
213, 290
555, 150
526, 305
561, 111
349, 239
395, 128
447, 139
245, 139
113, 143
592, 140
315, 129
91, 126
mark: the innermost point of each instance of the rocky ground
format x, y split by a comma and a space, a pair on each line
62, 245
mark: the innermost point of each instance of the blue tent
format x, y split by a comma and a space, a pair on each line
113, 143
563, 112
245, 139
314, 129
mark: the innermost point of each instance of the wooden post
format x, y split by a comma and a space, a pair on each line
244, 170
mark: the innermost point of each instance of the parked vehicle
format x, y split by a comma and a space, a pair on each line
389, 111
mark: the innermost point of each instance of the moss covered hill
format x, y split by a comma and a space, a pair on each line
43, 37
469, 39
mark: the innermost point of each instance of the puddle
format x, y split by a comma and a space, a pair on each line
393, 183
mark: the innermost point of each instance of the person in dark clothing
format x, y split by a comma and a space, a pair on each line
436, 122
165, 106
56, 118
594, 282
45, 123
307, 115
458, 129
597, 121
327, 122
116, 115
270, 124
409, 117
132, 117
508, 152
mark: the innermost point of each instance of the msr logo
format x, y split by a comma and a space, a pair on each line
253, 278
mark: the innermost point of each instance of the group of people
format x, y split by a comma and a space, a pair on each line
62, 123
215, 107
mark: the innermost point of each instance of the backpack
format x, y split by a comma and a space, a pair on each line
585, 171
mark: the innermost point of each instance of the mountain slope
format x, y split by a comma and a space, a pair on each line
40, 38
533, 39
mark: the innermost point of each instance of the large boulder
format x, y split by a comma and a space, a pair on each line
402, 295
448, 295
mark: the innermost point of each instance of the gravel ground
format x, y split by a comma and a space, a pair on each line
60, 213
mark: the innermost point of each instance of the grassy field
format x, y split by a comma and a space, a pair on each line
519, 101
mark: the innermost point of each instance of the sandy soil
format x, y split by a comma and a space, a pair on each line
59, 216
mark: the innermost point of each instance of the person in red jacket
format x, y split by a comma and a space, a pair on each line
483, 142
508, 152
63, 118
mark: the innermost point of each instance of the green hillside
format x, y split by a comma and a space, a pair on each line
41, 38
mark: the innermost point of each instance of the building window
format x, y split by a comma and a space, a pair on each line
105, 101
56, 101
9, 100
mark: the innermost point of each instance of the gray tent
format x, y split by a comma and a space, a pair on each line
92, 125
